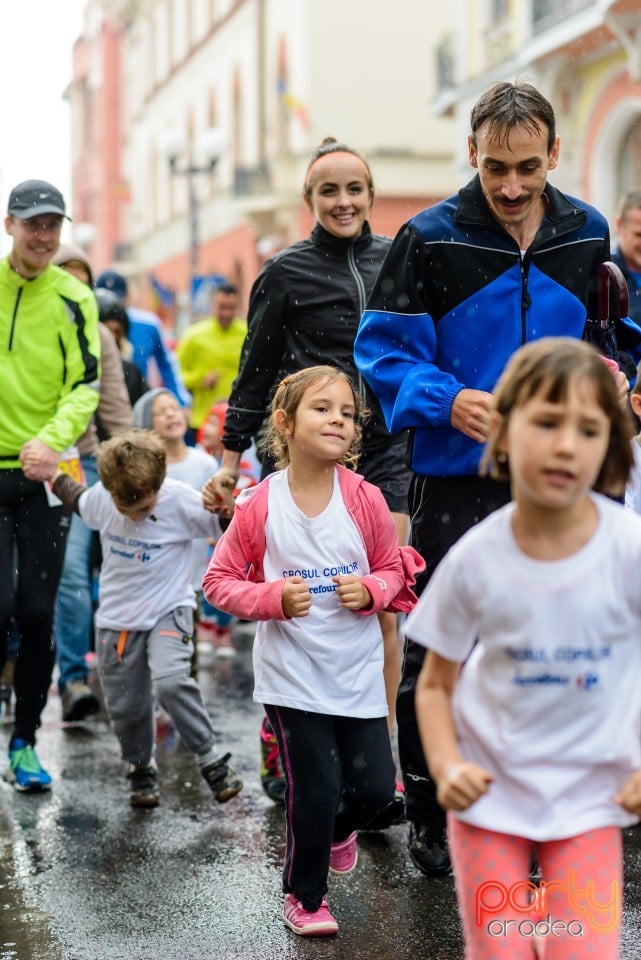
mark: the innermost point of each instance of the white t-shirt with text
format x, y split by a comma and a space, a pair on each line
146, 565
549, 696
332, 660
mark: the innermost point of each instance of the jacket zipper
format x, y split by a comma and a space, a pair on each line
360, 289
14, 317
526, 302
526, 261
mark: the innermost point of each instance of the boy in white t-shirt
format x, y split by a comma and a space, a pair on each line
144, 622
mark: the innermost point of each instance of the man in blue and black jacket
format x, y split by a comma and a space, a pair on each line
465, 283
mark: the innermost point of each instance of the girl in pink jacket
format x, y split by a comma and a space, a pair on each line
312, 554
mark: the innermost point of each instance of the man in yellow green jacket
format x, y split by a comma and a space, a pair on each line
49, 377
209, 352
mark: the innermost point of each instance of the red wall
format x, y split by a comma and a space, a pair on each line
235, 256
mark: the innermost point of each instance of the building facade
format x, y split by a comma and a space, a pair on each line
194, 120
584, 55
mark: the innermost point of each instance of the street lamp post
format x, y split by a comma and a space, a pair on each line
210, 144
194, 238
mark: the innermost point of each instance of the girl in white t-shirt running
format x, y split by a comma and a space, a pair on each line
534, 744
312, 555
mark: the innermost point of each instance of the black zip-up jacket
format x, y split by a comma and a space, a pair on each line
304, 309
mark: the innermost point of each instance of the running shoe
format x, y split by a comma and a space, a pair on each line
25, 771
308, 923
343, 856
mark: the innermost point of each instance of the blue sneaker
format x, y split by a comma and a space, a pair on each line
25, 772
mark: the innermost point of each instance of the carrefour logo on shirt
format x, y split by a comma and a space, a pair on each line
142, 556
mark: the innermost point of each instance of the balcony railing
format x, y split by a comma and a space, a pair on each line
251, 181
548, 13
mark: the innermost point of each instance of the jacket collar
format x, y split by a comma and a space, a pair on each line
562, 215
14, 280
323, 238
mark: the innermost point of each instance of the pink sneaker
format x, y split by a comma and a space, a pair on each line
343, 856
308, 923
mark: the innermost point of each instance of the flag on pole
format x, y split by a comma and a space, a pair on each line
164, 296
292, 104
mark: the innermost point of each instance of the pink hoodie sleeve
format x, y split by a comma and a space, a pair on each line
393, 569
229, 585
413, 563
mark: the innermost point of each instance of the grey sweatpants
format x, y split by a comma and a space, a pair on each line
134, 666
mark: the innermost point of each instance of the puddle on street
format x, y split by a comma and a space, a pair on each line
25, 933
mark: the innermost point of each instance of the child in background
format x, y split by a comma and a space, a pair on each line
215, 623
534, 744
145, 619
210, 438
311, 554
160, 411
209, 434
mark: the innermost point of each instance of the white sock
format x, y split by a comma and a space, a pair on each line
208, 757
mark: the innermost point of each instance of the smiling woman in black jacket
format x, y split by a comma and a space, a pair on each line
304, 309
307, 301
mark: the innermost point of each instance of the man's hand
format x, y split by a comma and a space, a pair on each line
218, 492
352, 593
620, 380
623, 388
39, 462
296, 598
471, 414
462, 784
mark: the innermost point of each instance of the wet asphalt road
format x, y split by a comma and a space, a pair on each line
83, 876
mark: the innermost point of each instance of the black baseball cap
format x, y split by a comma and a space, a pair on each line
31, 198
114, 281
